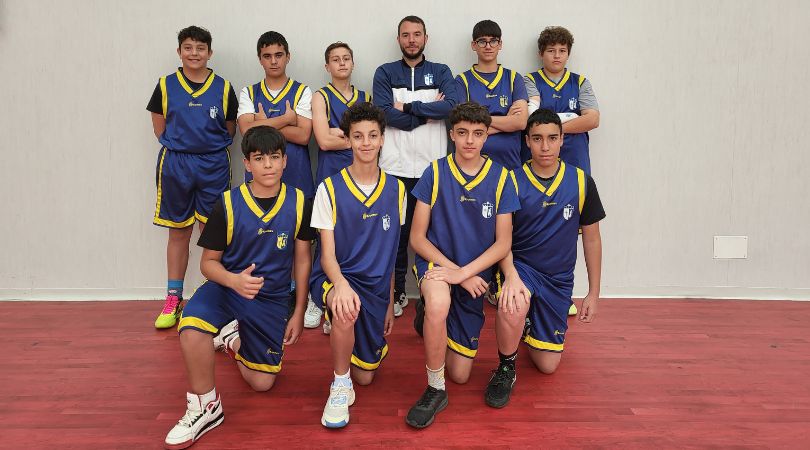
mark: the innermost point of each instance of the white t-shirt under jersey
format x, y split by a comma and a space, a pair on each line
322, 207
303, 109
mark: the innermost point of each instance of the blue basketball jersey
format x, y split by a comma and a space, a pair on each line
545, 230
463, 208
264, 238
366, 233
195, 120
497, 95
298, 172
332, 161
564, 97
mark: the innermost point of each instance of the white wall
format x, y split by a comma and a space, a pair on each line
703, 131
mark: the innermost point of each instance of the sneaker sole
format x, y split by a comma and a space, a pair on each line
500, 405
211, 425
340, 424
310, 326
438, 410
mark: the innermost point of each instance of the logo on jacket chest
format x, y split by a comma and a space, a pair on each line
429, 79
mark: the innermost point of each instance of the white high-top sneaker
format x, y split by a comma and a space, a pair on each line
198, 420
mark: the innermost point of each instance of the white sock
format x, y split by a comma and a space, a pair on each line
344, 379
208, 398
436, 377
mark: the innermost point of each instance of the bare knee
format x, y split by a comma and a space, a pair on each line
437, 301
341, 325
458, 376
190, 338
362, 377
458, 368
261, 382
513, 320
546, 362
179, 235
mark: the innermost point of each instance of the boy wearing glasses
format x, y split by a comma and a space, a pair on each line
502, 91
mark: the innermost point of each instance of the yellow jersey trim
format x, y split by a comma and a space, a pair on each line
195, 322
330, 188
299, 210
512, 80
559, 85
168, 223
542, 345
325, 100
349, 102
257, 210
536, 183
466, 84
377, 191
581, 184
256, 366
580, 81
460, 349
401, 187
499, 190
225, 98
358, 194
200, 91
276, 99
297, 97
164, 96
531, 77
327, 286
368, 97
514, 181
226, 199
200, 217
495, 81
370, 366
557, 180
434, 194
250, 92
460, 178
158, 220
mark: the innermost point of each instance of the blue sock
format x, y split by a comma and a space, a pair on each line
175, 287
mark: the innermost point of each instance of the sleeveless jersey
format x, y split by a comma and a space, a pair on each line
331, 161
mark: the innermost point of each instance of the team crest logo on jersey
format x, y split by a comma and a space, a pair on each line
213, 112
568, 212
386, 220
486, 210
503, 101
429, 79
572, 103
281, 241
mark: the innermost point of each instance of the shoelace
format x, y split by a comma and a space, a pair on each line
190, 417
501, 376
312, 309
428, 398
340, 396
171, 304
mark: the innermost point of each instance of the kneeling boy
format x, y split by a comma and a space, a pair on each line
257, 233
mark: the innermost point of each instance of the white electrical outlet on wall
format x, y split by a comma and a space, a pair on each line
730, 247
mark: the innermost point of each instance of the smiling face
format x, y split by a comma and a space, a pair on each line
412, 40
366, 140
469, 138
340, 63
194, 55
545, 141
266, 169
274, 60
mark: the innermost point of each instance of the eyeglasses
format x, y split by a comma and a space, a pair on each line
482, 43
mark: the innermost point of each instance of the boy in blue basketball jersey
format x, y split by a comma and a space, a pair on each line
556, 199
328, 106
193, 113
256, 239
282, 103
462, 226
358, 211
569, 94
502, 91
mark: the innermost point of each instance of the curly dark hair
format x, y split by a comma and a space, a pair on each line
555, 35
360, 112
194, 33
470, 112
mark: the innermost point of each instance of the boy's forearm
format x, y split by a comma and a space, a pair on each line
588, 121
508, 124
496, 252
296, 135
592, 247
302, 268
424, 248
213, 270
507, 266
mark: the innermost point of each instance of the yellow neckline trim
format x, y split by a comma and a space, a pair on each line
257, 210
349, 102
281, 94
188, 89
358, 194
554, 184
495, 80
559, 85
460, 178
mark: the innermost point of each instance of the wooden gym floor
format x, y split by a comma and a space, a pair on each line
647, 373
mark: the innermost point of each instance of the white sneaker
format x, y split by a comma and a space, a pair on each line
327, 327
397, 309
336, 411
226, 336
402, 299
197, 421
312, 317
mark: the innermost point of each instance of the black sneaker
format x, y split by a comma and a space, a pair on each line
419, 317
526, 328
432, 402
401, 297
500, 385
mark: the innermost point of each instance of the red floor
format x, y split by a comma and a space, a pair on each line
647, 373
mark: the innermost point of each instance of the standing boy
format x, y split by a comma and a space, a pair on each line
193, 118
328, 106
416, 96
502, 91
256, 239
282, 103
359, 212
462, 226
557, 199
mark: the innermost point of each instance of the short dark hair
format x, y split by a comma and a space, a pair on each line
543, 116
360, 112
554, 35
271, 38
486, 28
469, 112
263, 139
411, 19
335, 45
194, 33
